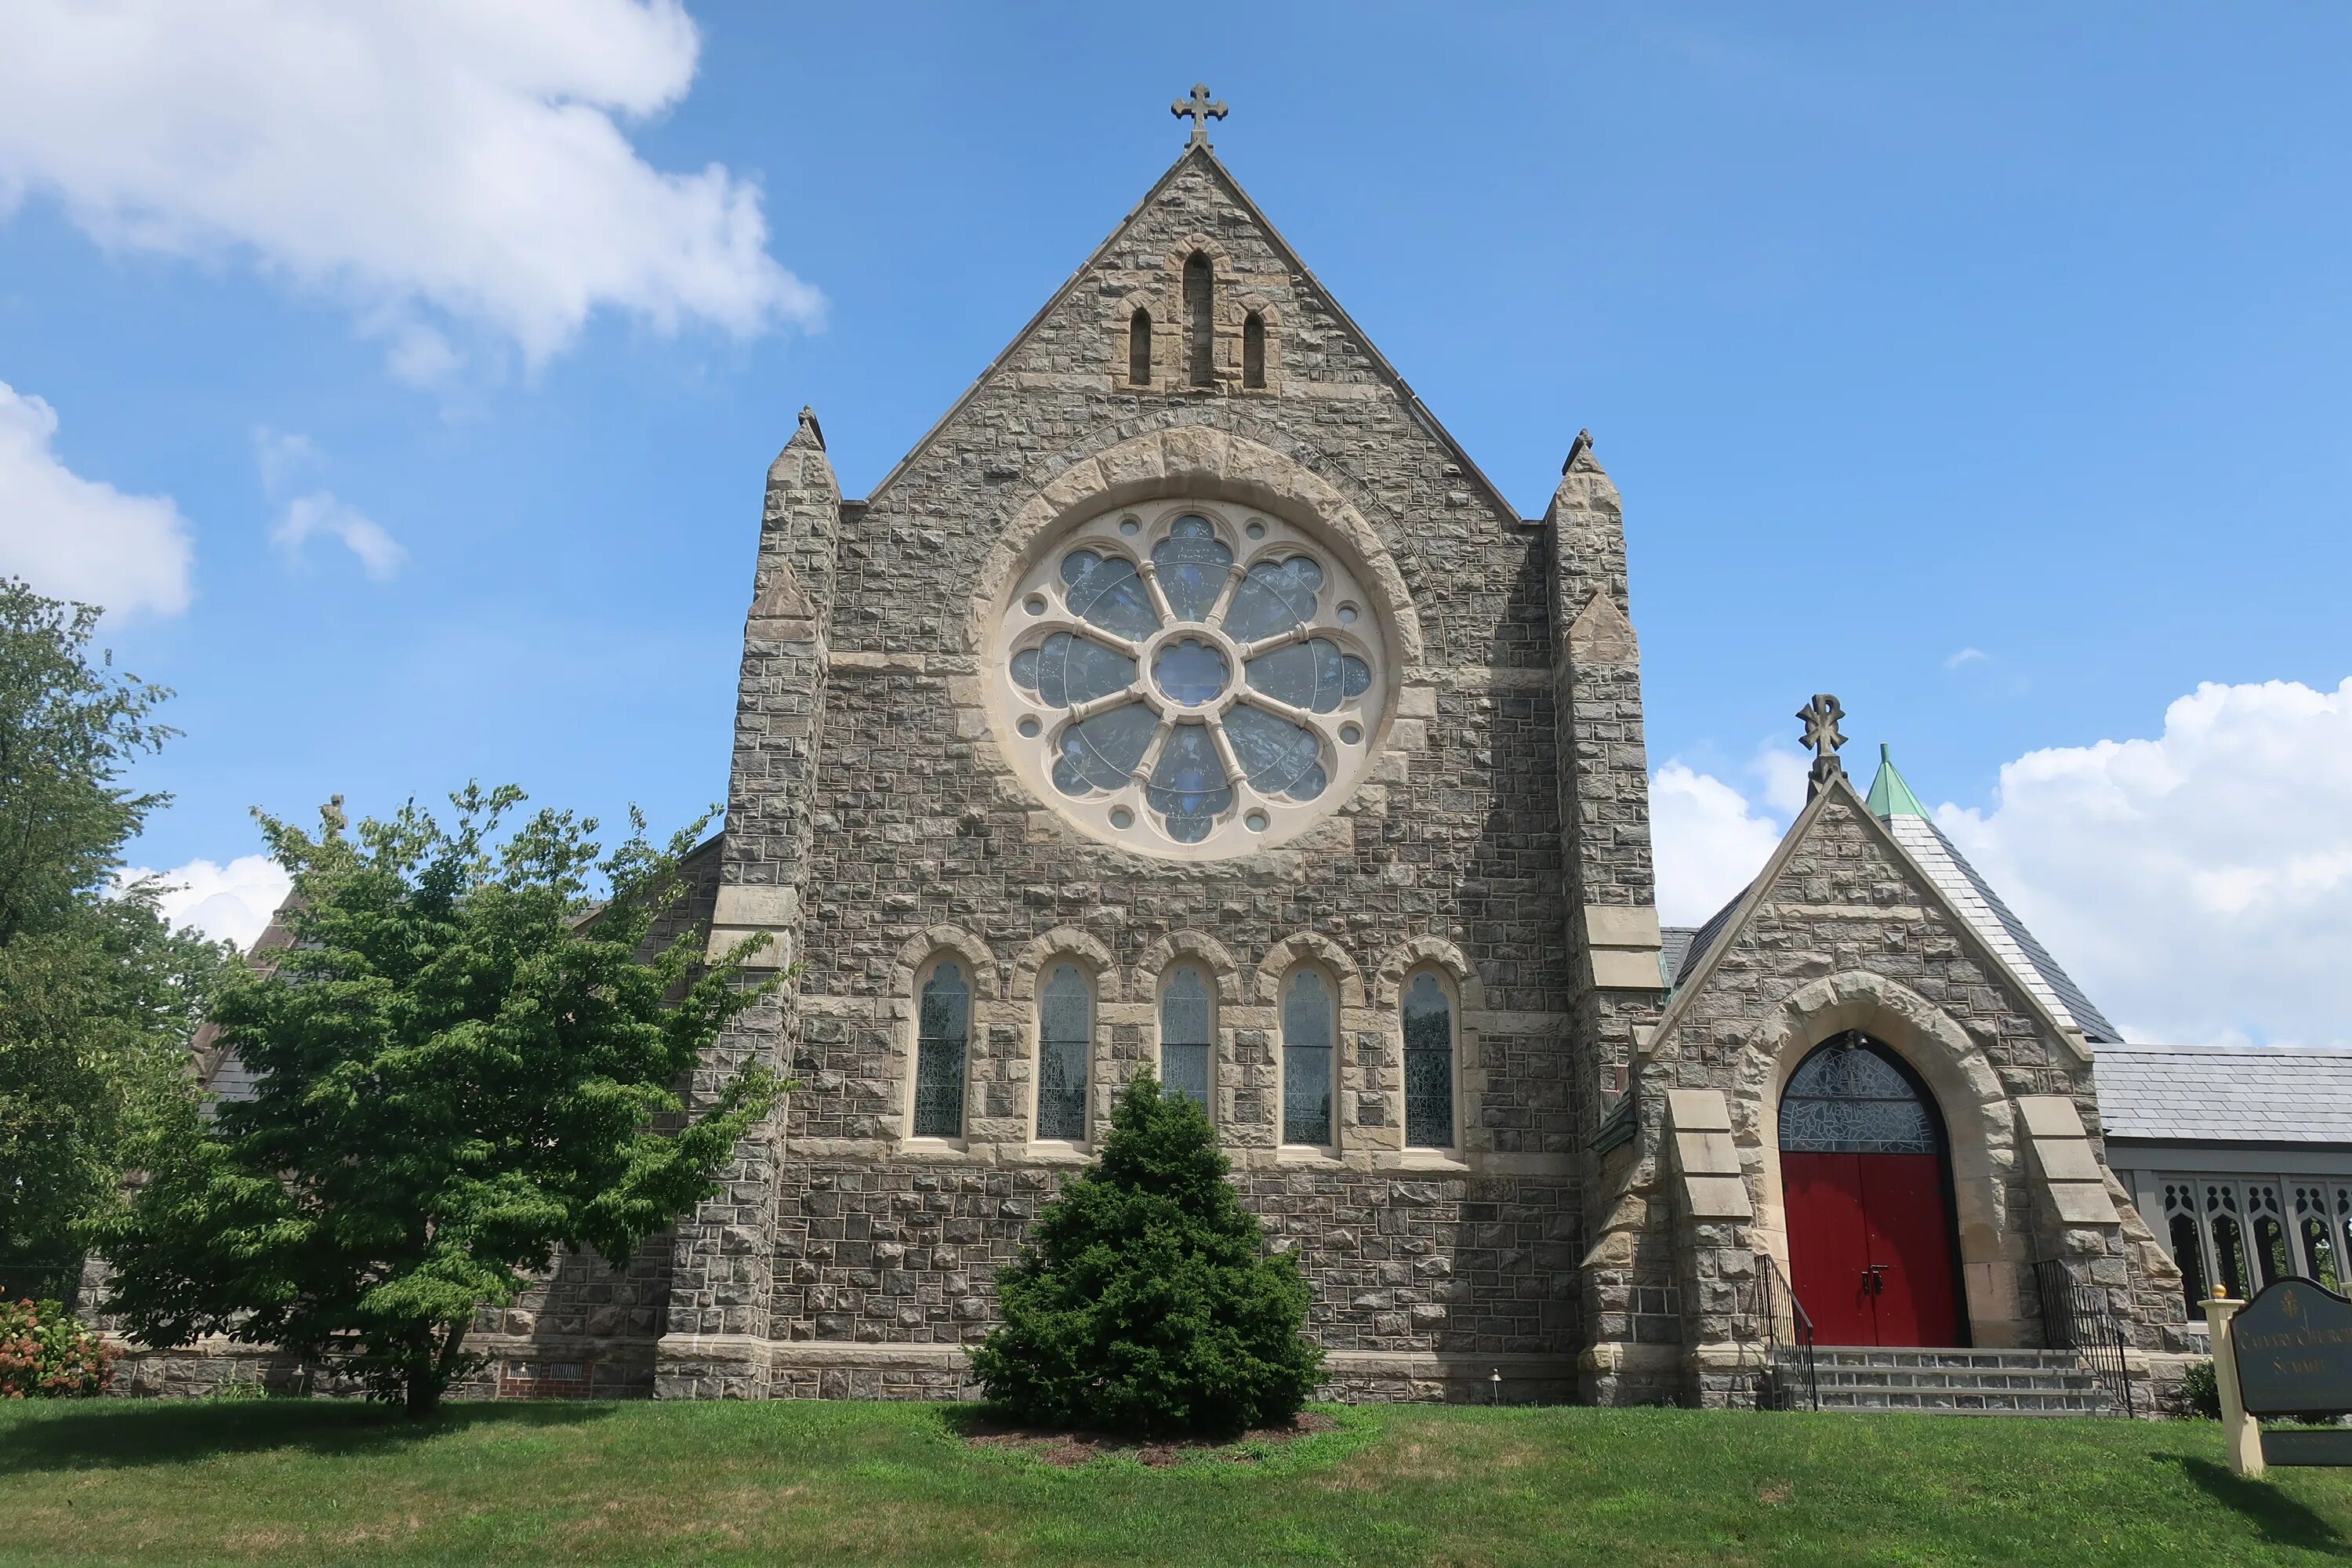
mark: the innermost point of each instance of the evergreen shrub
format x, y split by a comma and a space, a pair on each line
48, 1352
1144, 1300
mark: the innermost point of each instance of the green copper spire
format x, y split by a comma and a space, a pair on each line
1890, 797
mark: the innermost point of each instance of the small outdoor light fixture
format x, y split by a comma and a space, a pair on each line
1496, 1381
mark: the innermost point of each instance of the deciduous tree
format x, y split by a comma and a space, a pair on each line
460, 1066
97, 994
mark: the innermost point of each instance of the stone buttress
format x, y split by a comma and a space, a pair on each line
725, 1258
1605, 814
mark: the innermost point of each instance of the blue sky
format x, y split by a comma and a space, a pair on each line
1982, 366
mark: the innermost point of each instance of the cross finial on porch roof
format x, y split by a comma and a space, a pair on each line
1821, 718
1200, 110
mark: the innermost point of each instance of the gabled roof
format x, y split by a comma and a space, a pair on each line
1418, 410
1711, 941
1893, 803
2227, 1094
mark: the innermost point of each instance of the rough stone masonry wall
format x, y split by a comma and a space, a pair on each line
1843, 904
923, 838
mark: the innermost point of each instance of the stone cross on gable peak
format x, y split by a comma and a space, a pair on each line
1200, 110
1821, 718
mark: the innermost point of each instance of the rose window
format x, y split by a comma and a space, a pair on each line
1194, 679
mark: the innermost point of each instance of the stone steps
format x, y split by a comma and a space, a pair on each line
1947, 1382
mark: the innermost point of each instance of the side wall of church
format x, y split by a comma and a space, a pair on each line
925, 841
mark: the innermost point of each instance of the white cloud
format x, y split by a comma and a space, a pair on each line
451, 156
1967, 655
380, 554
1708, 842
229, 903
281, 457
79, 539
2199, 884
1788, 774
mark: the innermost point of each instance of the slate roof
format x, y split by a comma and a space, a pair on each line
1893, 802
2226, 1094
1674, 948
2000, 926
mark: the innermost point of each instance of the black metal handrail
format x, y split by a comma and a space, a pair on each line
1772, 1292
2076, 1316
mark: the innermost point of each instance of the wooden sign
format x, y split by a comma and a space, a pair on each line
2294, 1345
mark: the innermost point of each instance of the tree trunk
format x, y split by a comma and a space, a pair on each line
427, 1383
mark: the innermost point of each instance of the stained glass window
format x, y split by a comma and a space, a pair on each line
1185, 1021
943, 1030
1191, 676
1847, 1098
1308, 1027
1065, 1039
1428, 1063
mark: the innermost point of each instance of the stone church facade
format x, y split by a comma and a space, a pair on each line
1420, 989
1187, 701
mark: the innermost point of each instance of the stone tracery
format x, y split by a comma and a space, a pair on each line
1191, 678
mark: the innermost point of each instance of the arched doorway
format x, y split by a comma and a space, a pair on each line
1867, 1191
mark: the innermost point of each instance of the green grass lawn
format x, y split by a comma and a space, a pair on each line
825, 1483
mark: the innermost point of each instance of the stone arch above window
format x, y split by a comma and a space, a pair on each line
1306, 946
919, 950
1389, 978
1064, 941
1163, 953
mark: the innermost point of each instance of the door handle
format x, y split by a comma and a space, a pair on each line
1874, 1279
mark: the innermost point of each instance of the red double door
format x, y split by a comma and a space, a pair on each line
1869, 1247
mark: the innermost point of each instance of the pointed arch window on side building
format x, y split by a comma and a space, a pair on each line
1138, 349
943, 1035
1199, 320
1254, 351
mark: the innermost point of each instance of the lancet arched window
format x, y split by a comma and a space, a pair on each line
1254, 351
1428, 1008
1187, 1017
1064, 1041
1199, 320
1310, 1040
1138, 349
943, 1038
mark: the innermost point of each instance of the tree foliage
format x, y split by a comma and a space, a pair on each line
1144, 1299
98, 995
460, 1066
